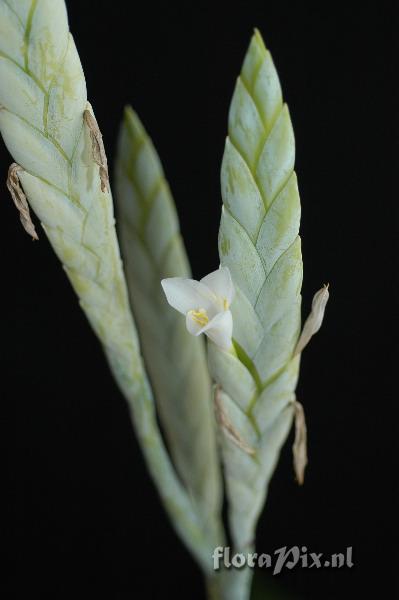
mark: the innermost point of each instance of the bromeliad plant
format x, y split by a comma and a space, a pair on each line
249, 308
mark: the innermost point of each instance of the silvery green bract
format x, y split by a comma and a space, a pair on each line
50, 130
259, 242
176, 362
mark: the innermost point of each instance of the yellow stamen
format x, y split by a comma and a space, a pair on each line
200, 316
225, 304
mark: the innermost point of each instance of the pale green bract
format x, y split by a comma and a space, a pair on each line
259, 243
63, 174
176, 362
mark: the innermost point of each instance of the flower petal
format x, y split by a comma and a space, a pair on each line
220, 329
220, 283
187, 294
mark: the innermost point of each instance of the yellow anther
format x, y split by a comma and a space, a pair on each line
200, 316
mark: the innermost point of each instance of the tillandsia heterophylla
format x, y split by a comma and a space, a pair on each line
249, 308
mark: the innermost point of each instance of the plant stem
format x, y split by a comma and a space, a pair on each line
230, 584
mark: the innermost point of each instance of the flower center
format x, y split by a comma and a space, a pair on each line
200, 316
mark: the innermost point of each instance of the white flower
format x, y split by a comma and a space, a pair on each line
205, 303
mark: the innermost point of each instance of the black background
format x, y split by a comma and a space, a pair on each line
83, 512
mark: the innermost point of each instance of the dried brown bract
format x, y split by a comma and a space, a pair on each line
228, 427
98, 150
299, 447
20, 201
314, 320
